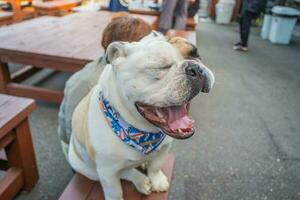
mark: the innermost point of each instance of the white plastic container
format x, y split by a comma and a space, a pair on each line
283, 23
265, 31
224, 9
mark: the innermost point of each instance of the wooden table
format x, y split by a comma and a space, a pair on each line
15, 138
64, 44
6, 17
20, 13
55, 7
81, 188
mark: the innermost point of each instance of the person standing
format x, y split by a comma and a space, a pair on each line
173, 15
250, 10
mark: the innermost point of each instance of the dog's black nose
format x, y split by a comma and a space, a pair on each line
193, 70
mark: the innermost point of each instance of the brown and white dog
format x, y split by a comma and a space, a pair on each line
150, 84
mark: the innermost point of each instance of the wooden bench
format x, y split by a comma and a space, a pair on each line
6, 18
55, 8
15, 139
81, 188
21, 9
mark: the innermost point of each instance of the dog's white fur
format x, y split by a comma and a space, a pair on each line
137, 73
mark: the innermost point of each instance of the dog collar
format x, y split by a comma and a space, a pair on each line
143, 141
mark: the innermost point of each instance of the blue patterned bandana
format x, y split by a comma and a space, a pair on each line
143, 141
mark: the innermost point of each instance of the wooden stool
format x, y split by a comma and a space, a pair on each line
81, 188
55, 7
15, 139
6, 18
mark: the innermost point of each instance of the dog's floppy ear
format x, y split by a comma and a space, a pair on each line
116, 50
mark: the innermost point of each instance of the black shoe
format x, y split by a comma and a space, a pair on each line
240, 47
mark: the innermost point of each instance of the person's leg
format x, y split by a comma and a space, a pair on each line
166, 15
245, 25
180, 13
241, 23
245, 28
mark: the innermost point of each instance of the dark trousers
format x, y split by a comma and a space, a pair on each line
245, 24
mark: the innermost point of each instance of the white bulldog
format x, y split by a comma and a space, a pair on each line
132, 115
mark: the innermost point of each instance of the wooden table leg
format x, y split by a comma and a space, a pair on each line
4, 77
20, 153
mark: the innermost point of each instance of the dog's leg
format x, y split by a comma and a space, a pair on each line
141, 181
111, 184
158, 179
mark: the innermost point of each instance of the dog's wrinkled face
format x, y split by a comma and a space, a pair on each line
156, 80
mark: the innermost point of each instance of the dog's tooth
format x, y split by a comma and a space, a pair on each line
180, 131
159, 114
163, 120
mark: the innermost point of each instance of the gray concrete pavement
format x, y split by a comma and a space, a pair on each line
247, 144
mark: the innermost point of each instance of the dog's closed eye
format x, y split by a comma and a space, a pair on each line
167, 66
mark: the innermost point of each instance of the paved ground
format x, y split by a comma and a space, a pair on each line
248, 141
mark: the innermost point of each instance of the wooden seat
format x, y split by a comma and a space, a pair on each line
81, 188
56, 7
15, 139
6, 18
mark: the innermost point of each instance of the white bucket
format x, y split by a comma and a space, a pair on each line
265, 31
283, 23
224, 11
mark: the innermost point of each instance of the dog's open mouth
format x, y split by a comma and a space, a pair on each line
173, 120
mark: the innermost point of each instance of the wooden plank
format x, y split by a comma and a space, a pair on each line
6, 17
43, 61
24, 73
4, 77
13, 111
81, 188
6, 139
11, 183
78, 189
55, 5
144, 11
35, 92
20, 153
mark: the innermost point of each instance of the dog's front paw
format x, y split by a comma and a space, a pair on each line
144, 186
159, 181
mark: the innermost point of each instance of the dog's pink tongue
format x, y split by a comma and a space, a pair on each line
178, 118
